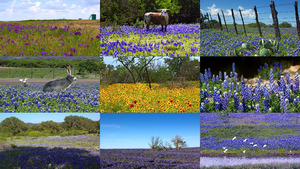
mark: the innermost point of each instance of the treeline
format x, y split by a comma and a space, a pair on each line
173, 69
72, 125
83, 66
128, 12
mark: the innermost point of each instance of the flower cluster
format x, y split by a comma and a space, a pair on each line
227, 93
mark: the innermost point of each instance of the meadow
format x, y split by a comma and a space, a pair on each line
179, 40
229, 93
250, 135
51, 152
223, 43
147, 158
139, 97
77, 98
50, 38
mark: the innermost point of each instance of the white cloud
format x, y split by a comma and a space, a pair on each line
55, 4
36, 7
241, 8
111, 126
213, 10
248, 13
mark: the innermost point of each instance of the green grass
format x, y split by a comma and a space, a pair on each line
243, 131
45, 73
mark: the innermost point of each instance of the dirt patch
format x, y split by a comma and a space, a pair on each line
43, 81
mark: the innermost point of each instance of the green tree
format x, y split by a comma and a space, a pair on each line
14, 125
155, 143
285, 25
52, 126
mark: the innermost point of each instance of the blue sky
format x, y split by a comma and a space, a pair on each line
112, 61
39, 117
286, 12
14, 10
134, 130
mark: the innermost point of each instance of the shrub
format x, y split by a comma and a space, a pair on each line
285, 25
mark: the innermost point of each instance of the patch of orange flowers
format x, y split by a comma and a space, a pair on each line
139, 97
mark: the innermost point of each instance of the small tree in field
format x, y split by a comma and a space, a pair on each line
178, 142
156, 142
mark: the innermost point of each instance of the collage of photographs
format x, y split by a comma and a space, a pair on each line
92, 84
249, 84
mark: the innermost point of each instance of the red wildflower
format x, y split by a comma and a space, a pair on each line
135, 102
182, 111
171, 101
131, 106
190, 105
158, 101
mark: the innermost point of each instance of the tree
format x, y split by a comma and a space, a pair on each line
156, 142
135, 66
285, 25
52, 126
178, 142
80, 123
14, 125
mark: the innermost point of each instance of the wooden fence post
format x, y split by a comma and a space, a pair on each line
234, 22
297, 19
243, 23
220, 23
275, 20
224, 21
256, 18
209, 21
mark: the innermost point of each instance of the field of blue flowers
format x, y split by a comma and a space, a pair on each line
77, 98
250, 134
53, 152
230, 93
222, 43
179, 40
147, 158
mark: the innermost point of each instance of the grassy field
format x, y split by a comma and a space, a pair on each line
179, 40
140, 98
50, 38
250, 134
51, 152
259, 166
44, 73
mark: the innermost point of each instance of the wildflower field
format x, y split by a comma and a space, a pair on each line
179, 40
230, 93
222, 43
77, 98
51, 152
147, 158
140, 98
249, 134
50, 38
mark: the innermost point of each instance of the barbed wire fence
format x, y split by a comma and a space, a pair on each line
237, 17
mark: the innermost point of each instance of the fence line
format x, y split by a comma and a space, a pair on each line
274, 18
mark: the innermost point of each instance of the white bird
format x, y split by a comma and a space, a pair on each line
225, 150
254, 145
264, 146
244, 151
245, 140
234, 138
24, 81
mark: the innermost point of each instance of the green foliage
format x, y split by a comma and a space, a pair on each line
80, 123
285, 25
254, 25
244, 131
14, 125
265, 48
